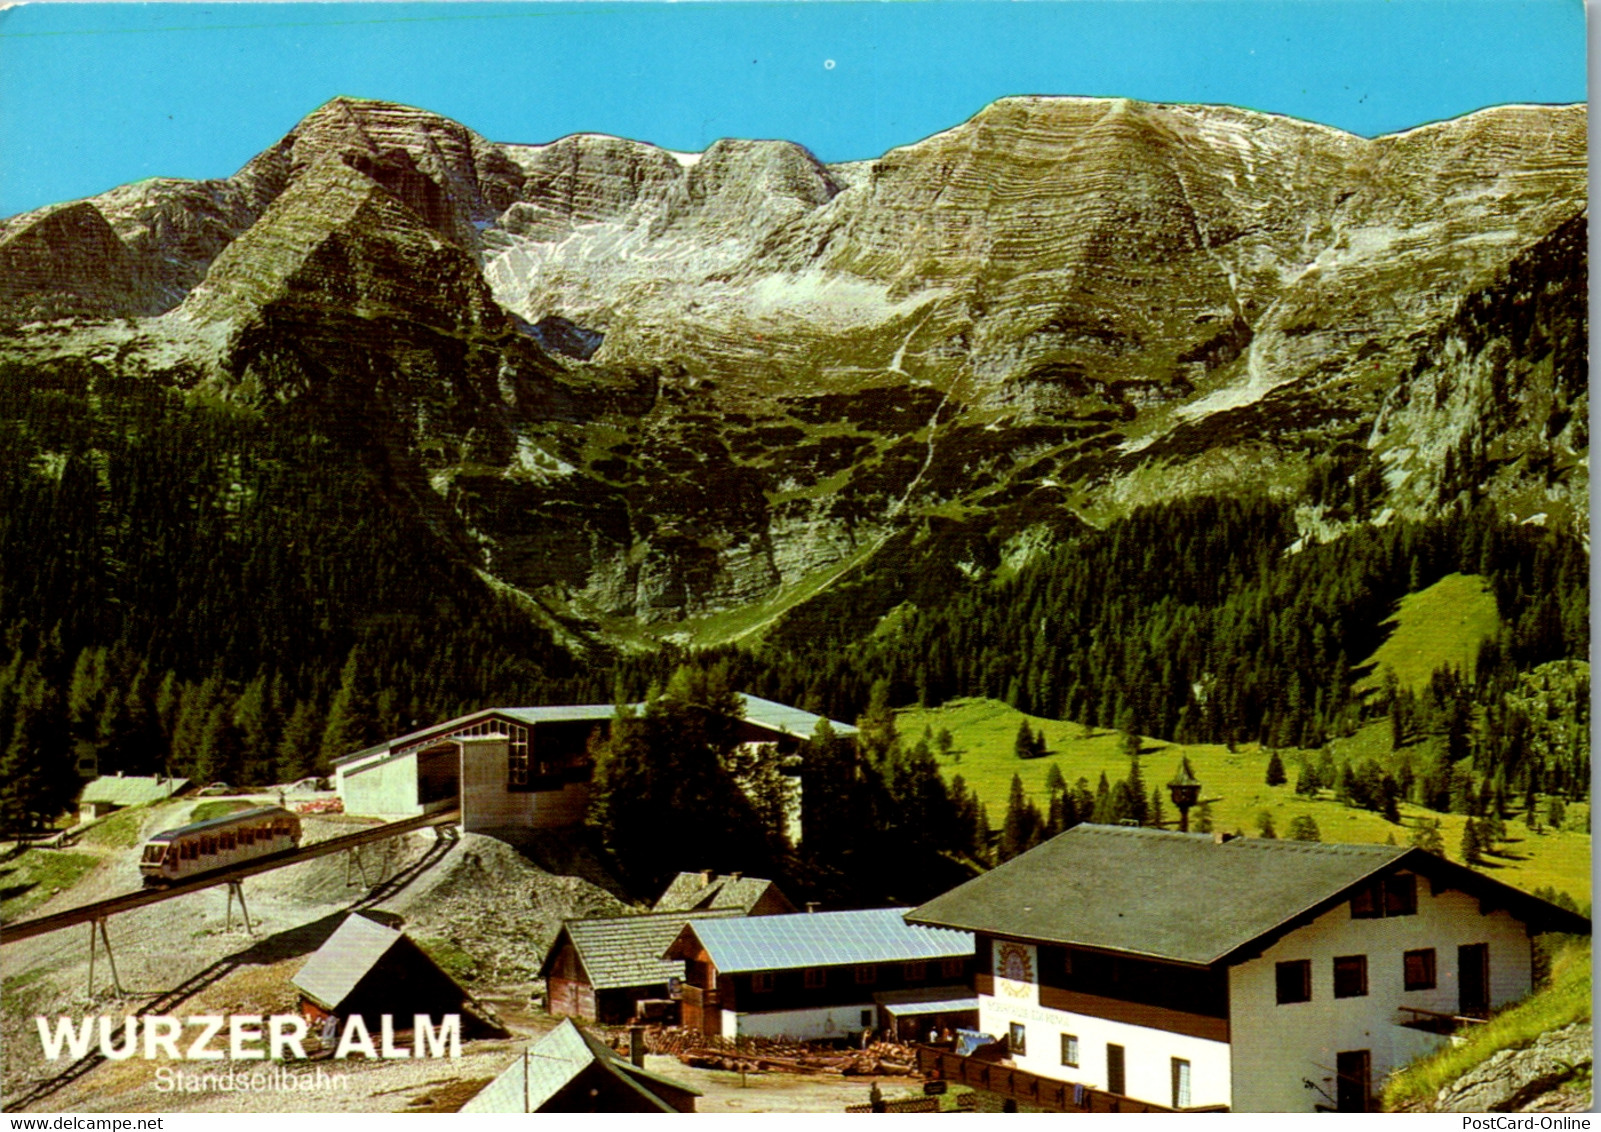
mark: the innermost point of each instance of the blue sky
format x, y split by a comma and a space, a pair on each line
95, 95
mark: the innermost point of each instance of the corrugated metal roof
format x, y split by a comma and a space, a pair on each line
541, 1072
113, 790
344, 960
824, 939
774, 716
1176, 896
562, 713
789, 720
935, 1006
626, 951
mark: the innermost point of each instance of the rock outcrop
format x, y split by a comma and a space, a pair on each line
1527, 1080
663, 386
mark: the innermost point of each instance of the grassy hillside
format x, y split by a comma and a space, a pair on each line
984, 732
1443, 624
1565, 1001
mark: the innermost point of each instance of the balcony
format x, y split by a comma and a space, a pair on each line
1031, 1089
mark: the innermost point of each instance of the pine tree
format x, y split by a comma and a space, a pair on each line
1264, 826
1275, 770
1472, 843
1139, 810
1023, 745
37, 777
1154, 815
298, 746
1020, 831
1303, 827
351, 715
1426, 836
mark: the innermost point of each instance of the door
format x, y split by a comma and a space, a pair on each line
1473, 979
1354, 1071
1114, 1070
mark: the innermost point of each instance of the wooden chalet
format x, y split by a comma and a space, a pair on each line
818, 975
569, 1070
611, 969
734, 892
370, 969
1185, 971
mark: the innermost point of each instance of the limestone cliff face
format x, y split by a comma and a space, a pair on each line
661, 386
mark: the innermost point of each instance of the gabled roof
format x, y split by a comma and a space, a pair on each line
766, 713
626, 951
1186, 898
822, 939
114, 790
693, 892
789, 720
337, 967
530, 1082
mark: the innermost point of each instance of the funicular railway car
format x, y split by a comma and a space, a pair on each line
218, 843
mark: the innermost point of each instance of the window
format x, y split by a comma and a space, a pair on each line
867, 1017
1181, 1083
866, 974
915, 972
1070, 1050
1419, 969
761, 982
1395, 895
952, 968
816, 978
1350, 976
1017, 1039
1401, 895
1294, 981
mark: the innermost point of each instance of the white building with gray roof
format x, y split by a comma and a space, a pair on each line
1182, 971
518, 768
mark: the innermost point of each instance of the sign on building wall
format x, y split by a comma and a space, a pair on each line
1016, 966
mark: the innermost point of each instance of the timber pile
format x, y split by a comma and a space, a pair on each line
880, 1059
772, 1055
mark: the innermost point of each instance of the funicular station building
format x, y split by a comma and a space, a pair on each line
520, 767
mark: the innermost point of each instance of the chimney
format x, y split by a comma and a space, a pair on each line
811, 906
1219, 837
707, 876
636, 1046
735, 876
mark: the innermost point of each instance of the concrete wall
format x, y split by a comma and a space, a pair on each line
487, 804
485, 801
387, 791
554, 809
342, 772
806, 1025
1275, 1046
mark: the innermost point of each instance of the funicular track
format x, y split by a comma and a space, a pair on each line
99, 911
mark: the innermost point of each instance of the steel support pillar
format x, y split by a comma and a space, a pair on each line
237, 888
98, 925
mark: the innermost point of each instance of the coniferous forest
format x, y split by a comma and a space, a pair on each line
236, 594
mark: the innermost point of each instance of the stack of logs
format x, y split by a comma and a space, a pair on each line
775, 1055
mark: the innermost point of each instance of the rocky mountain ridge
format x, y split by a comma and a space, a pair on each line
689, 389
